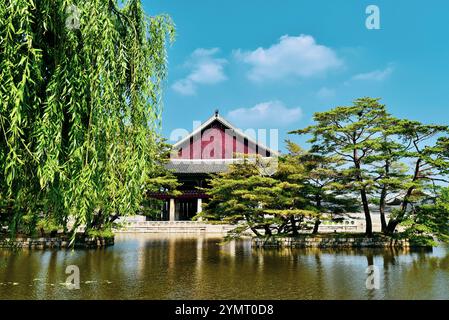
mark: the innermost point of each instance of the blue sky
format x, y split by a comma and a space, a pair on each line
272, 64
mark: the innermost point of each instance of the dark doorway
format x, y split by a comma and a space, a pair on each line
186, 209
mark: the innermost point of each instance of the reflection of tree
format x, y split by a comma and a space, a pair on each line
389, 259
430, 262
320, 274
370, 258
371, 294
389, 256
166, 267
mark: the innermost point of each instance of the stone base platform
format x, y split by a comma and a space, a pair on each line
331, 242
54, 243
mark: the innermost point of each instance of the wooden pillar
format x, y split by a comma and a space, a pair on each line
199, 208
172, 209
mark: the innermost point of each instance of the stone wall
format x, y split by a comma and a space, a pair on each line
330, 242
54, 243
192, 227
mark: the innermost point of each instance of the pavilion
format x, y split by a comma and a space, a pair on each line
209, 149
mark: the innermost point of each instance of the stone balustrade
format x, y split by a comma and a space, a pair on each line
174, 227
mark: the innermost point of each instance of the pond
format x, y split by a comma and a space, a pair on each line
143, 266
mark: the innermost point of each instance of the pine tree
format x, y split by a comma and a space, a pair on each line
350, 134
323, 184
266, 205
371, 151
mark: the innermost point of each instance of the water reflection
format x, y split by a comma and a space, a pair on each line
200, 267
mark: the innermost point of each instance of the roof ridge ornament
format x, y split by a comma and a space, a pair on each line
216, 113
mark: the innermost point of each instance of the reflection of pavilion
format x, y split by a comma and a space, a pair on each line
208, 149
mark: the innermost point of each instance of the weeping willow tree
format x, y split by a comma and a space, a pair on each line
80, 88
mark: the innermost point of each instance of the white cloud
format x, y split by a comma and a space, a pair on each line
325, 93
292, 57
205, 69
185, 87
376, 75
269, 114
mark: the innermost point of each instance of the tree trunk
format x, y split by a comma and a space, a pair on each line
393, 223
257, 233
267, 231
316, 226
317, 221
294, 226
369, 224
248, 220
383, 220
383, 199
391, 227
